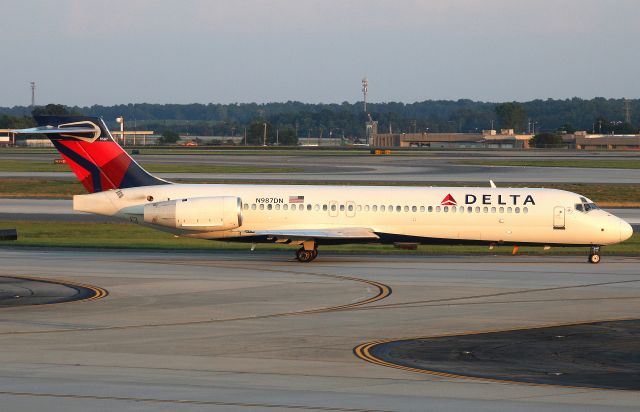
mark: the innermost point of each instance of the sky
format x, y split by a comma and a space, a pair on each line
85, 52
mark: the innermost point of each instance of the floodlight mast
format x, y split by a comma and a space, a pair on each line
120, 120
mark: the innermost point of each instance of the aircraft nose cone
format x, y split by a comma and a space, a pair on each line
625, 231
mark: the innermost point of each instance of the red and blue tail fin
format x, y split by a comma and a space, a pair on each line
94, 156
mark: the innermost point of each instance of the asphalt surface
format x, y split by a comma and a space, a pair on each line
242, 331
595, 355
436, 167
21, 291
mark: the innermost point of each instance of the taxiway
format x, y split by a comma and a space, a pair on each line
242, 331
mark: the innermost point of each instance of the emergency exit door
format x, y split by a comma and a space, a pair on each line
558, 217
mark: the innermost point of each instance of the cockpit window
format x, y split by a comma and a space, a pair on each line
586, 205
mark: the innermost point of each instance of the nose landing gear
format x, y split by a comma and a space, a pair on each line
594, 255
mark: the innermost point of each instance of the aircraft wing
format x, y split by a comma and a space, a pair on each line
330, 233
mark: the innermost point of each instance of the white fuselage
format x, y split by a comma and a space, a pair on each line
421, 214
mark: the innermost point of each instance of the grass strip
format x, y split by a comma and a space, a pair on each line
28, 166
130, 236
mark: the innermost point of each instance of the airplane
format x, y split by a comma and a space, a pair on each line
310, 216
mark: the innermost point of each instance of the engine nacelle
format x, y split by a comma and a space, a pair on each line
199, 213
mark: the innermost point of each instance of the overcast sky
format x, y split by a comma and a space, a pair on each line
84, 52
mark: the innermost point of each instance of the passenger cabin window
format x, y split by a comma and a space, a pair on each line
350, 208
325, 208
309, 206
342, 208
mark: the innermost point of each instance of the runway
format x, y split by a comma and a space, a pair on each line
393, 175
242, 331
426, 167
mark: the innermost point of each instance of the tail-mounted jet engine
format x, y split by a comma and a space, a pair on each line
200, 213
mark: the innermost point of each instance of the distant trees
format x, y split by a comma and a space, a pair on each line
511, 115
256, 133
287, 137
546, 140
52, 110
169, 137
602, 125
598, 114
14, 122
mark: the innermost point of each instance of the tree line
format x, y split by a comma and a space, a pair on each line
291, 120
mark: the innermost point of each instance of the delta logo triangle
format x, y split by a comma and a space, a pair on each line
449, 201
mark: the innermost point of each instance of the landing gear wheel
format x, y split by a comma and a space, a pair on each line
315, 254
305, 255
595, 258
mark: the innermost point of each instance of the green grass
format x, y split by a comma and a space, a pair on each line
591, 163
46, 188
129, 236
22, 166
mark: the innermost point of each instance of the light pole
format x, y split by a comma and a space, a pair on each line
264, 134
121, 121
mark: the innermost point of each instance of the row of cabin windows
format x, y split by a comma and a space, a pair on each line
390, 208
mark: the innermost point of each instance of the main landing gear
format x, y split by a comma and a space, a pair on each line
594, 255
307, 252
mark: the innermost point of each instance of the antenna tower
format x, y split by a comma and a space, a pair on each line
365, 90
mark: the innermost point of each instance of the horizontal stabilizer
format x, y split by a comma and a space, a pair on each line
54, 130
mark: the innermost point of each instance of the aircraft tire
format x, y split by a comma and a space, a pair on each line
304, 255
594, 258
